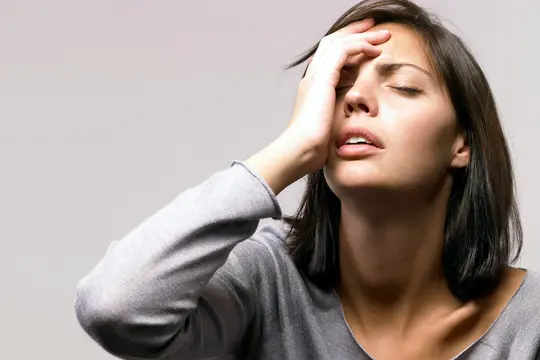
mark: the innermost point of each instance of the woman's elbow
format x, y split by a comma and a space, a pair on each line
117, 330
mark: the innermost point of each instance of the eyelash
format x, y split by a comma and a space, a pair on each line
407, 90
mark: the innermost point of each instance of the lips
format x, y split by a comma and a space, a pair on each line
350, 131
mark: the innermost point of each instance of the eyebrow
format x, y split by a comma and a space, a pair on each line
388, 69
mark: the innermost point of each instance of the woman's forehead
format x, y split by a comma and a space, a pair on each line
405, 45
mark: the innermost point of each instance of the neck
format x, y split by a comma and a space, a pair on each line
390, 260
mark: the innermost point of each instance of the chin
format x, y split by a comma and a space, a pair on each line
358, 175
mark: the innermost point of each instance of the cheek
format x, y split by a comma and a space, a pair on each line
422, 135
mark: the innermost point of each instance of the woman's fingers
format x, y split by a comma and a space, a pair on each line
333, 52
356, 27
373, 37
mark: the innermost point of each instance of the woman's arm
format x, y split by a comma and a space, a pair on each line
154, 292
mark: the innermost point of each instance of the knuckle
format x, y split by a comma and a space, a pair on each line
325, 41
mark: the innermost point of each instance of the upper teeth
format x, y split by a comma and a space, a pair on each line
356, 140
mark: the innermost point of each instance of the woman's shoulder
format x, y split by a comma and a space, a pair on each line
268, 243
263, 254
524, 306
528, 295
518, 325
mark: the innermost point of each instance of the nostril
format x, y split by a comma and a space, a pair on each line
363, 108
360, 107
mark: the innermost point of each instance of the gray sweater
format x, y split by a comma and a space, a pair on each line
201, 280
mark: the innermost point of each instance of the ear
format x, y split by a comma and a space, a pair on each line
461, 151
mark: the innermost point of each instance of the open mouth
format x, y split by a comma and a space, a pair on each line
357, 143
358, 140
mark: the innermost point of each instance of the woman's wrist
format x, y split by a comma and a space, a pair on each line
280, 163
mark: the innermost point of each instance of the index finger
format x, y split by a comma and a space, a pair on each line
357, 27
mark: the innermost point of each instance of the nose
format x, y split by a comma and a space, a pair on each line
359, 101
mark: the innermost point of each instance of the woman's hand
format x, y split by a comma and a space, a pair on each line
303, 147
313, 116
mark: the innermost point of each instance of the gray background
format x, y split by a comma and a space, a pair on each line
111, 108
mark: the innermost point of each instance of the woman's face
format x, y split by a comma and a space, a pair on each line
398, 98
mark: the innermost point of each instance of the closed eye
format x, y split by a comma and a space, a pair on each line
407, 90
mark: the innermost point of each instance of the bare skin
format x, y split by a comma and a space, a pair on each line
393, 291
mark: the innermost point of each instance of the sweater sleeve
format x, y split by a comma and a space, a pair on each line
157, 291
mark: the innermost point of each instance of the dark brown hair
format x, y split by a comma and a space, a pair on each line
483, 228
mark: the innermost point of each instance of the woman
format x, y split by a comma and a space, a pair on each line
404, 239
